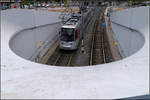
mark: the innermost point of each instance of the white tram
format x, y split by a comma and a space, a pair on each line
70, 34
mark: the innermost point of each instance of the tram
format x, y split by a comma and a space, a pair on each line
70, 34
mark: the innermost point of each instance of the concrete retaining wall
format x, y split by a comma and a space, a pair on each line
129, 27
27, 40
23, 79
135, 18
29, 43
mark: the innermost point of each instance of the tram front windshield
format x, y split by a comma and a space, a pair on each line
67, 34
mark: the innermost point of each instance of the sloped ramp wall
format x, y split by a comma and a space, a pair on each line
35, 30
30, 43
130, 26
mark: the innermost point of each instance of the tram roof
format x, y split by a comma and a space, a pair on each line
72, 23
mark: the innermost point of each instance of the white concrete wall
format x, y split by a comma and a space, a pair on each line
24, 79
134, 18
28, 18
129, 41
25, 42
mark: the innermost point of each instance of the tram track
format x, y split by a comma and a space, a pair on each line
97, 51
96, 47
67, 58
63, 60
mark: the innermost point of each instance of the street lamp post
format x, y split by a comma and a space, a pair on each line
10, 3
35, 5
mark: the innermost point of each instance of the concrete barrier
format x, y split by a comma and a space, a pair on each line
135, 18
34, 30
130, 27
23, 79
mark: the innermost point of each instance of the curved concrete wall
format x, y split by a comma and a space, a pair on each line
129, 27
23, 19
129, 41
23, 79
25, 42
135, 18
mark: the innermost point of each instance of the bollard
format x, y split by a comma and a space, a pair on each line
82, 48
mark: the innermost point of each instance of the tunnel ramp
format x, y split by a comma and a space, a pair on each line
125, 78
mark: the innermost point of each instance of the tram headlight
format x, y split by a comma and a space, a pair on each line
62, 43
71, 43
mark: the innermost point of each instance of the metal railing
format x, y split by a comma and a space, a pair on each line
10, 0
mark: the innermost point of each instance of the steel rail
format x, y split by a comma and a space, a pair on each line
57, 60
92, 47
103, 48
69, 62
91, 55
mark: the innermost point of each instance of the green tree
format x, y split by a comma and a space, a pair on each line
65, 2
129, 3
26, 2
